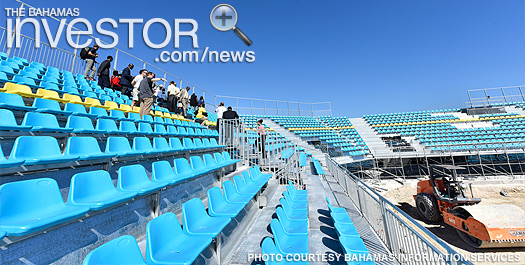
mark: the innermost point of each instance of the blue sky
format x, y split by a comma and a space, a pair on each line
364, 57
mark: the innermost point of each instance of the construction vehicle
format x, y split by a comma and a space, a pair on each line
444, 197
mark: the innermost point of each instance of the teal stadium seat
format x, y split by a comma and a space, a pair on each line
78, 110
296, 205
49, 106
291, 213
183, 169
161, 144
96, 190
242, 188
291, 227
167, 244
14, 102
176, 144
188, 144
135, 179
11, 162
119, 146
32, 205
197, 222
249, 181
38, 150
43, 122
210, 162
143, 145
198, 165
162, 172
81, 124
110, 126
119, 115
288, 244
8, 122
233, 196
218, 206
86, 148
119, 251
268, 248
129, 127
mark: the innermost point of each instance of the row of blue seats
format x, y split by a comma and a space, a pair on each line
290, 228
317, 166
302, 159
44, 122
287, 153
349, 238
39, 150
169, 243
33, 205
16, 102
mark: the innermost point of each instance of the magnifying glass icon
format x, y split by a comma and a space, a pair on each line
223, 17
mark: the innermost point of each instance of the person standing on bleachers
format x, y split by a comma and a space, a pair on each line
146, 93
261, 131
103, 73
90, 63
193, 101
115, 80
184, 99
220, 110
173, 94
125, 81
229, 126
136, 83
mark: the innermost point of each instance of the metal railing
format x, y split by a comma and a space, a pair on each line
407, 240
252, 149
70, 61
494, 96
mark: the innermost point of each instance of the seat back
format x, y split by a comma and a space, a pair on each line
117, 144
128, 126
172, 130
121, 250
226, 156
90, 185
32, 197
12, 99
277, 229
8, 118
162, 171
176, 144
41, 103
160, 143
182, 131
268, 247
281, 215
106, 125
219, 158
198, 143
75, 108
142, 144
79, 122
40, 119
159, 128
92, 101
193, 211
78, 146
160, 232
206, 142
110, 104
147, 118
239, 182
188, 143
196, 163
48, 93
229, 189
181, 166
191, 132
117, 114
209, 161
30, 147
98, 111
145, 127
215, 198
158, 119
135, 116
132, 176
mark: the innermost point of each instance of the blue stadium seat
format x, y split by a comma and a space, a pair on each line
38, 150
121, 250
101, 113
43, 122
158, 120
249, 181
195, 220
198, 165
96, 190
119, 115
11, 162
162, 171
143, 145
218, 206
134, 178
148, 119
109, 126
161, 144
296, 195
160, 129
135, 116
220, 159
129, 127
13, 101
188, 144
198, 143
292, 227
242, 188
346, 229
168, 244
119, 146
297, 205
228, 158
257, 175
268, 248
176, 144
210, 162
32, 205
353, 245
293, 214
26, 81
8, 122
302, 159
145, 128
78, 110
232, 196
172, 130
85, 147
335, 209
49, 106
288, 244
183, 169
2, 234
81, 124
182, 131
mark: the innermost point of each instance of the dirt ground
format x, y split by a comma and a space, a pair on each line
489, 193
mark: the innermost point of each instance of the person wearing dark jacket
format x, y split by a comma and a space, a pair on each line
125, 80
103, 72
193, 100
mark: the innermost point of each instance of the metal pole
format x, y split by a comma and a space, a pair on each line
503, 93
251, 106
521, 93
10, 46
115, 63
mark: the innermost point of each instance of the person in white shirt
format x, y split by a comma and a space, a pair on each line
184, 96
173, 94
136, 83
219, 110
